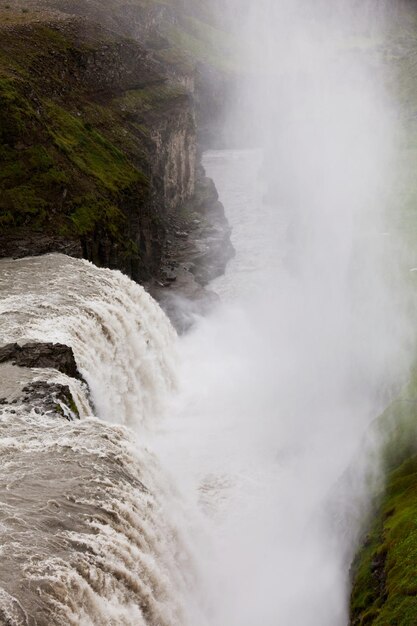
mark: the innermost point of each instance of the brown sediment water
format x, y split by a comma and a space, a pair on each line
85, 536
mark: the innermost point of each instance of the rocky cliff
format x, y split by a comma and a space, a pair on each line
98, 134
28, 374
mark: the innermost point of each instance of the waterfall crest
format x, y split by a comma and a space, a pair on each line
123, 343
86, 536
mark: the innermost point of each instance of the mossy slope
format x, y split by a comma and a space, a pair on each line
385, 584
74, 164
384, 573
90, 121
53, 162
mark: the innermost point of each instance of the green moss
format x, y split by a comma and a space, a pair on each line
71, 164
16, 114
72, 406
91, 211
21, 165
59, 410
69, 402
6, 219
29, 177
385, 571
92, 153
52, 37
21, 52
24, 198
151, 98
58, 169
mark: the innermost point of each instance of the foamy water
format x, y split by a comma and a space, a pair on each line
89, 526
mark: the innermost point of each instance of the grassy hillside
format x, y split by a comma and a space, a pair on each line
384, 590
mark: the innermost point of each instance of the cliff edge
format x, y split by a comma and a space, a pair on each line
100, 105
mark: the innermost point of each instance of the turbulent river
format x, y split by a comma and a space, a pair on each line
84, 536
201, 486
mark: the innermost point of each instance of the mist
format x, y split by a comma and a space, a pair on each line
312, 338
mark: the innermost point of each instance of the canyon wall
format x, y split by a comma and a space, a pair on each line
100, 105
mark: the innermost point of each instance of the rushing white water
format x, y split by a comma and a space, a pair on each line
276, 396
89, 529
122, 341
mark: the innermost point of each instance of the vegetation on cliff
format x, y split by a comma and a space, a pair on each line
384, 570
55, 164
384, 590
97, 126
66, 171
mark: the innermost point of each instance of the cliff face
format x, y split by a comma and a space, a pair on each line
98, 140
83, 115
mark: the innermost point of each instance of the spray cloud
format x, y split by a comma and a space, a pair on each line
280, 384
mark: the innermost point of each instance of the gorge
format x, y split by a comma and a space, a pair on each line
243, 452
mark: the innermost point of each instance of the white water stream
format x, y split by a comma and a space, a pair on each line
89, 526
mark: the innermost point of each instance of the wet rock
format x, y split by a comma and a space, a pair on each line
41, 355
196, 252
23, 242
90, 53
28, 391
50, 398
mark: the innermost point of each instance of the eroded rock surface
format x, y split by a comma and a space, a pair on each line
41, 355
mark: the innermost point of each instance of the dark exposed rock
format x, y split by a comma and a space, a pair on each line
211, 234
27, 391
50, 398
42, 355
104, 150
24, 242
200, 241
113, 112
197, 251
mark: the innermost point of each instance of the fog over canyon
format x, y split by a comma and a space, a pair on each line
206, 302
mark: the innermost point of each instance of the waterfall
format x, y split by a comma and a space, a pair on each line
87, 535
123, 343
